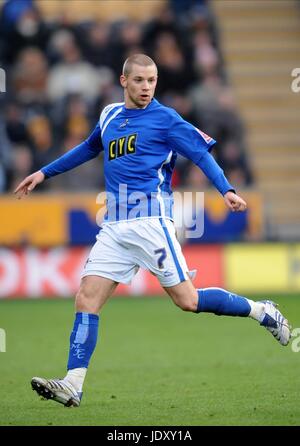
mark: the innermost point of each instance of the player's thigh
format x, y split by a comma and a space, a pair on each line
184, 295
156, 248
93, 293
109, 259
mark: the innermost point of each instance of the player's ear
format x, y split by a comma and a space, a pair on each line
123, 80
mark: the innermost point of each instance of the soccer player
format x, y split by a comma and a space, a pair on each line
140, 139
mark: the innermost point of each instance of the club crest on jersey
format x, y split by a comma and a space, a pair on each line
204, 136
125, 145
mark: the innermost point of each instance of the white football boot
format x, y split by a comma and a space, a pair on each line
275, 322
57, 390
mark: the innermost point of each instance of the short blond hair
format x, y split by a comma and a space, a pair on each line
137, 59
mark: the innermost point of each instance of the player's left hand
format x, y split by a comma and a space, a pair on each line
234, 202
29, 183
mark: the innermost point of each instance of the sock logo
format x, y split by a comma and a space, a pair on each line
78, 351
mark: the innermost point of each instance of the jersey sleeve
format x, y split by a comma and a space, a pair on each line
187, 140
94, 140
87, 150
196, 145
214, 173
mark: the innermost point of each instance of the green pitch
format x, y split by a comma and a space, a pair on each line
153, 365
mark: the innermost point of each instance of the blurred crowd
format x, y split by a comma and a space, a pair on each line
59, 76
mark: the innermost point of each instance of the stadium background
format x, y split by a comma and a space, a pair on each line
227, 67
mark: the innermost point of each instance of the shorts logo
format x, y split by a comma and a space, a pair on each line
126, 145
87, 261
168, 274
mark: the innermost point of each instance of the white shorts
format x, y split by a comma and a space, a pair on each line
125, 246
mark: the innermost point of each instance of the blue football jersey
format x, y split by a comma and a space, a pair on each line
140, 149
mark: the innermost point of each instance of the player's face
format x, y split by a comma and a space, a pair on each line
139, 86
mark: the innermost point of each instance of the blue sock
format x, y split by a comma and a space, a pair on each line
83, 340
222, 302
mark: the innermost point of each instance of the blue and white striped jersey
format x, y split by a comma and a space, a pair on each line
140, 148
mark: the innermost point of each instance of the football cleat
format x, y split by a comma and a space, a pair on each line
57, 390
275, 322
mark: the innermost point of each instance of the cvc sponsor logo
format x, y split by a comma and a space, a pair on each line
295, 85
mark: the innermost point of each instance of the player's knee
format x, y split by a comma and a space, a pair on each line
84, 299
187, 305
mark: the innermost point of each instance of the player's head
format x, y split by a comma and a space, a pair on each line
138, 78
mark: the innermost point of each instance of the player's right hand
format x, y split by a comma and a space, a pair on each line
29, 183
234, 202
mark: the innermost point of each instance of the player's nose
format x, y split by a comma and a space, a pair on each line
146, 86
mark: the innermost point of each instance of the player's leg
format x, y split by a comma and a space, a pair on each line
184, 295
94, 291
225, 303
92, 295
107, 265
170, 267
213, 300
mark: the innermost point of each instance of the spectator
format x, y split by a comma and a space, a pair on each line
21, 27
40, 133
22, 163
30, 77
97, 46
72, 75
174, 73
15, 127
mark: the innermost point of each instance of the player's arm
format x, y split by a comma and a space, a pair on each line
196, 145
215, 174
87, 150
